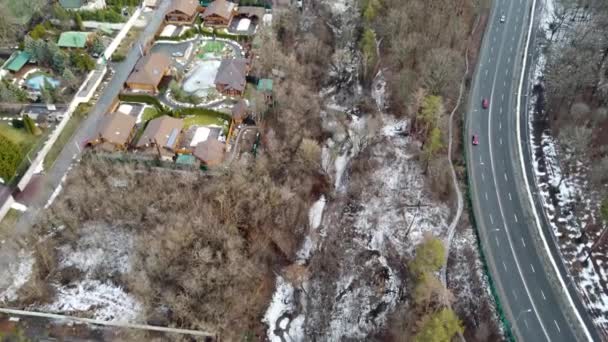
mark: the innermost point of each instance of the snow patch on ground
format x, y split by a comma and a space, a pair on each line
104, 301
101, 252
566, 196
16, 275
279, 313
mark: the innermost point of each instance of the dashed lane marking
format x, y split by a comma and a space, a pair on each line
523, 242
515, 215
532, 267
510, 199
557, 326
543, 294
504, 265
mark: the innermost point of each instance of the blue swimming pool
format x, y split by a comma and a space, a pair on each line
36, 82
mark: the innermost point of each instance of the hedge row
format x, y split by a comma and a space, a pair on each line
180, 112
10, 157
201, 111
206, 32
219, 34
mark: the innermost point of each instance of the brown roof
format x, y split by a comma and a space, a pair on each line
163, 131
221, 8
188, 7
210, 151
239, 110
251, 11
116, 128
232, 73
150, 69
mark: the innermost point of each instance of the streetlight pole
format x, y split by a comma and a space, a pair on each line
519, 316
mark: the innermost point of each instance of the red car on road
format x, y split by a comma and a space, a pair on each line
475, 140
485, 103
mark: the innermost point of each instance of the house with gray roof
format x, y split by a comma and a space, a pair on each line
231, 77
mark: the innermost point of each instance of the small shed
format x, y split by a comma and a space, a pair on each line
265, 87
239, 111
73, 39
17, 61
211, 152
185, 159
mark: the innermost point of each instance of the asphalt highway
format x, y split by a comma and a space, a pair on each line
525, 281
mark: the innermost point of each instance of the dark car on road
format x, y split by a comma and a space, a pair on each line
485, 103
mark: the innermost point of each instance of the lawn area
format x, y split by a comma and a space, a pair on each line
149, 114
202, 120
8, 223
213, 46
19, 136
79, 114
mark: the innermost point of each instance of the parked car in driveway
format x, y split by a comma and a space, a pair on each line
177, 54
475, 140
485, 103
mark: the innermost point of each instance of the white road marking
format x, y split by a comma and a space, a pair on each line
515, 217
532, 267
500, 141
499, 125
486, 196
506, 178
543, 294
508, 59
486, 72
526, 323
491, 219
511, 49
557, 326
523, 242
497, 243
502, 97
500, 110
510, 199
504, 83
504, 265
483, 177
514, 294
506, 72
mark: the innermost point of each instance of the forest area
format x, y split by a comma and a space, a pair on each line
568, 122
576, 82
424, 65
204, 250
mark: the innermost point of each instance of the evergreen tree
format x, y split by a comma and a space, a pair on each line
440, 326
30, 126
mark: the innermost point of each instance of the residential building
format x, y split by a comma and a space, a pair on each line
17, 61
148, 73
182, 12
239, 111
219, 13
231, 77
210, 152
73, 39
161, 136
88, 5
115, 132
71, 4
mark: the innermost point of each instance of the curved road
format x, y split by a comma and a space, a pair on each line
527, 284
